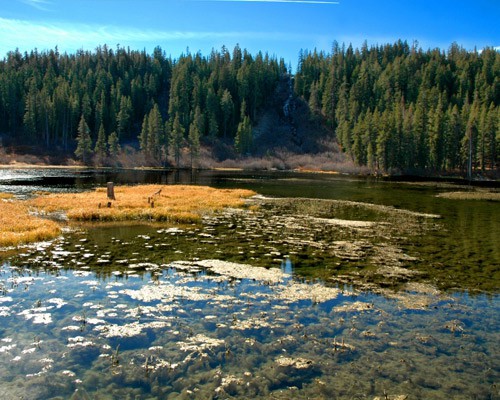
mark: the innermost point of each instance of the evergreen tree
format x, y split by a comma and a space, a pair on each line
314, 103
409, 143
453, 136
167, 139
470, 139
30, 125
496, 150
101, 111
343, 134
420, 130
243, 139
227, 107
358, 151
86, 106
123, 117
384, 143
195, 129
113, 145
213, 127
144, 136
436, 137
155, 132
177, 139
84, 142
487, 137
100, 146
371, 146
46, 112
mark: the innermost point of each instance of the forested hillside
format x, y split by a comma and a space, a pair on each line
393, 108
97, 101
396, 107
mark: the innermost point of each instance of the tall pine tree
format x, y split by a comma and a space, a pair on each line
84, 142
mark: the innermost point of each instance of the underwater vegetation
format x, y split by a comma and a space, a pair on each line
472, 195
197, 330
277, 298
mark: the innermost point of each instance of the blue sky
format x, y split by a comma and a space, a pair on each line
279, 27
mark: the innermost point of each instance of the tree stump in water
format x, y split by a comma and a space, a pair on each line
111, 191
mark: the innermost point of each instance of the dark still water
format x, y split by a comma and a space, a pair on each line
330, 287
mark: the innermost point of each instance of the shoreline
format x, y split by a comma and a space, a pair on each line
404, 178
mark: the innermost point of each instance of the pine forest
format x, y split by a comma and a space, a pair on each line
392, 108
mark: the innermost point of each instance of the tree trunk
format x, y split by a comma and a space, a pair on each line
111, 191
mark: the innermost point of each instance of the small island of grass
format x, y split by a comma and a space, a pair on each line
23, 222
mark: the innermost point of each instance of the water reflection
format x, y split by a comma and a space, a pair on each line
179, 331
286, 266
141, 312
466, 239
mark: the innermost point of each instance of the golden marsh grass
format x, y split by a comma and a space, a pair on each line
18, 226
179, 203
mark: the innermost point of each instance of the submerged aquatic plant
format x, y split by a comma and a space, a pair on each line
472, 195
202, 335
115, 360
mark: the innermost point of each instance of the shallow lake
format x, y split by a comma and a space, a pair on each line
325, 287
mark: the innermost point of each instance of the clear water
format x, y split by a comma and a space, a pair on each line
128, 312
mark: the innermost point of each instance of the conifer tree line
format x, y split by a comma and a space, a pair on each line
97, 101
399, 108
392, 107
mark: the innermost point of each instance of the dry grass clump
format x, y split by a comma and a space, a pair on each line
18, 226
183, 204
471, 195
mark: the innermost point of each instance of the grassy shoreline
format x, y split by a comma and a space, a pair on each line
27, 221
19, 226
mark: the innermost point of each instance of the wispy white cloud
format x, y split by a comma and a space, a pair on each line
27, 35
38, 4
278, 1
495, 48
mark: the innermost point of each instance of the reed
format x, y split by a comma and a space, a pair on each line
179, 203
18, 226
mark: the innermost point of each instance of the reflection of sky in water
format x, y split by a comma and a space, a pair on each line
24, 182
169, 328
202, 335
12, 175
286, 266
